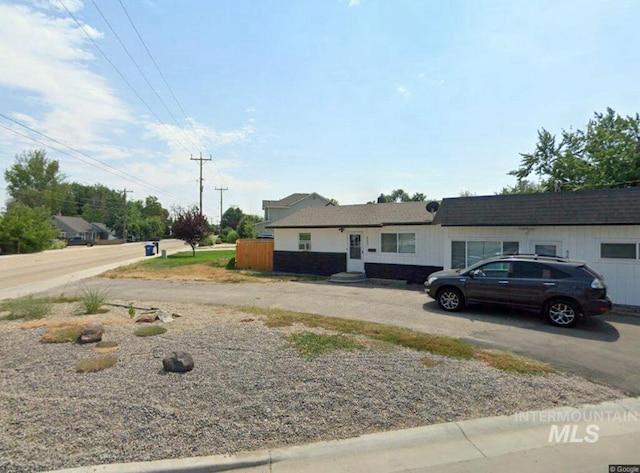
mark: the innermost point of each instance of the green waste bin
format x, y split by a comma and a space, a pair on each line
148, 249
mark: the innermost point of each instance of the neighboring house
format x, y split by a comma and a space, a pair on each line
404, 241
103, 232
275, 210
75, 226
600, 227
387, 240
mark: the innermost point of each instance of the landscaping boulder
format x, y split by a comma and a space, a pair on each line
91, 334
178, 362
147, 317
164, 316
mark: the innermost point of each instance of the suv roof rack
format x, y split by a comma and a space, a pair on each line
534, 256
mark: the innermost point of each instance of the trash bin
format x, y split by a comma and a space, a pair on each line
148, 249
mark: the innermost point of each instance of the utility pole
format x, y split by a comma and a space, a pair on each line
221, 189
124, 214
201, 159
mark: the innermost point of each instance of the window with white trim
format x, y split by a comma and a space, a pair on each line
398, 243
304, 241
466, 253
619, 251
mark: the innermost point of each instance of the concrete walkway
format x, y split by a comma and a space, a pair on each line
589, 439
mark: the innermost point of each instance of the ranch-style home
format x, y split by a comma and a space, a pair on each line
406, 241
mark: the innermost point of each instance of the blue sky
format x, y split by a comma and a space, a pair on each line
345, 98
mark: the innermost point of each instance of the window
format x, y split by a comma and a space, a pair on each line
304, 241
619, 250
466, 253
398, 243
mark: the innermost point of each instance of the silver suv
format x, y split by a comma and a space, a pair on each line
560, 288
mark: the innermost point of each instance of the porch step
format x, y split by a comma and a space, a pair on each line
348, 277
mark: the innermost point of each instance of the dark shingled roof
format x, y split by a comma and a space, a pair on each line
365, 215
599, 207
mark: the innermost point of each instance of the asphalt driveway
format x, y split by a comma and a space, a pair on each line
602, 349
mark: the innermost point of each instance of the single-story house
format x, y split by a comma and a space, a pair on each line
406, 241
275, 210
77, 226
386, 240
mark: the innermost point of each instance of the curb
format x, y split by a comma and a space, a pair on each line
419, 447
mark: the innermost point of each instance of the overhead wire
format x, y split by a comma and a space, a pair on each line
95, 44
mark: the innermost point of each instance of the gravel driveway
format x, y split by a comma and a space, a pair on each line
248, 390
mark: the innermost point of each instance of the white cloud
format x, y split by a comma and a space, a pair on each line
354, 3
402, 90
250, 109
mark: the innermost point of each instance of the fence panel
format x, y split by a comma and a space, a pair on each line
254, 254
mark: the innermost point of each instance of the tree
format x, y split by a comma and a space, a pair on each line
399, 195
231, 217
35, 181
26, 230
247, 226
190, 226
607, 154
522, 187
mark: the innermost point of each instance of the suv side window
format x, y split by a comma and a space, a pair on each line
528, 270
496, 269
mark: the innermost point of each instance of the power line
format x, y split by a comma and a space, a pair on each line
201, 159
118, 70
110, 169
144, 76
162, 76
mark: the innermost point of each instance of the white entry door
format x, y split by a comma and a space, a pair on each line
355, 261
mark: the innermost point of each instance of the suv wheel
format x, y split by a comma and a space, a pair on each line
562, 313
450, 299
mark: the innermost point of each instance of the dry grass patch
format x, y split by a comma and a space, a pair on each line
446, 346
429, 362
106, 347
512, 362
64, 334
150, 331
91, 365
312, 345
66, 323
193, 272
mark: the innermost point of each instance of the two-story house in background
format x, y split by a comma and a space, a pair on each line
275, 210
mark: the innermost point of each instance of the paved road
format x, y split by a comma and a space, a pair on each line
23, 274
603, 349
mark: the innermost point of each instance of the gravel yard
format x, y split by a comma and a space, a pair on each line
249, 390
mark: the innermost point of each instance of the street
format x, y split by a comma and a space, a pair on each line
23, 274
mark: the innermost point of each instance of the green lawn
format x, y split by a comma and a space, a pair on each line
216, 259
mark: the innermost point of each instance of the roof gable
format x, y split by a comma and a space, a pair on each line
599, 207
363, 215
290, 200
77, 224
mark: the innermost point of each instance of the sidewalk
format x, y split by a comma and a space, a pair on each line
588, 439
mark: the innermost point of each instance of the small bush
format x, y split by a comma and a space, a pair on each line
218, 241
208, 241
232, 236
92, 299
231, 264
58, 244
91, 365
149, 331
28, 308
67, 334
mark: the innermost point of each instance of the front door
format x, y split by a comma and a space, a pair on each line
354, 256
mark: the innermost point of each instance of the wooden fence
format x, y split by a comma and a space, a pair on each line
254, 254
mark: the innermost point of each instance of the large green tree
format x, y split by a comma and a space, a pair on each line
26, 230
247, 226
231, 218
399, 195
605, 154
35, 181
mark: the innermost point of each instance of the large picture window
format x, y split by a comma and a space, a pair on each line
466, 253
619, 250
398, 243
304, 241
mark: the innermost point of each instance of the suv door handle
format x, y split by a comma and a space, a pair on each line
549, 284
503, 282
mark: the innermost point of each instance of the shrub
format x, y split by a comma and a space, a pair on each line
28, 308
91, 365
218, 241
231, 264
208, 241
149, 331
232, 236
92, 299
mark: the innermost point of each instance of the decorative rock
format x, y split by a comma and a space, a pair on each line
148, 317
91, 334
164, 316
178, 362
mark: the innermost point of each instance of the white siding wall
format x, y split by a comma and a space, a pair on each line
330, 240
582, 243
